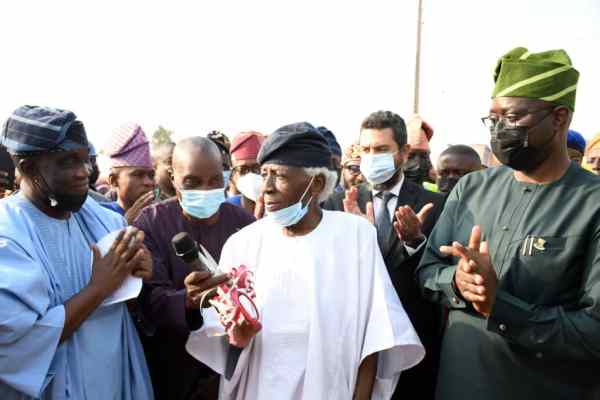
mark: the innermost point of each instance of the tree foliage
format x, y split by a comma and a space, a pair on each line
161, 135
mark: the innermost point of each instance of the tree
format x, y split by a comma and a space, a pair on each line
161, 136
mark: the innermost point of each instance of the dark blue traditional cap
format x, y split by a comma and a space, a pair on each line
92, 150
332, 142
32, 130
575, 141
297, 145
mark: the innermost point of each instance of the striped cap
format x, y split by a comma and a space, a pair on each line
547, 76
129, 147
33, 130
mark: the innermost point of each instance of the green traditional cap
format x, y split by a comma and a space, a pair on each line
547, 76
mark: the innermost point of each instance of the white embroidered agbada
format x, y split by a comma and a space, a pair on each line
326, 303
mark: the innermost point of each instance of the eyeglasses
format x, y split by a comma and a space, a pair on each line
354, 169
511, 121
246, 169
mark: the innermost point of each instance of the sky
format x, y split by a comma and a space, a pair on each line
257, 65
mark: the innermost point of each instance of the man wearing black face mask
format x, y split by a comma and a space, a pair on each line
418, 168
57, 335
454, 163
515, 256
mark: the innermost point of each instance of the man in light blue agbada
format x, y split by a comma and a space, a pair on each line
57, 339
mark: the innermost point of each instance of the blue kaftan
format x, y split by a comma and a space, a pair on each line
43, 263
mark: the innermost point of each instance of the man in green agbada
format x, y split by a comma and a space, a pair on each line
515, 254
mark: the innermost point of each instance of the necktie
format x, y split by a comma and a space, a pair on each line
383, 222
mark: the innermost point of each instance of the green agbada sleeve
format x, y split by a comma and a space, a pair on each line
564, 326
436, 271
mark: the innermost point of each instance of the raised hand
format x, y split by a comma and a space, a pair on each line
137, 207
408, 225
126, 253
475, 276
350, 203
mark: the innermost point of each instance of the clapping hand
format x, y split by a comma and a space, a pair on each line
351, 205
408, 225
475, 276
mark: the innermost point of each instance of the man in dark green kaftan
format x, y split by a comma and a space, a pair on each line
515, 255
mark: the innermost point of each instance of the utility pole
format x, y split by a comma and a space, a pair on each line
418, 58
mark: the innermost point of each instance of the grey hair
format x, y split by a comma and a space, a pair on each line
331, 178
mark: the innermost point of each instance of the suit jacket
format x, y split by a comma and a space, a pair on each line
425, 316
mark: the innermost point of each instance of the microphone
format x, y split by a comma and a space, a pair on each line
186, 248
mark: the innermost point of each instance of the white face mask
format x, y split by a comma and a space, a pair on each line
250, 185
378, 168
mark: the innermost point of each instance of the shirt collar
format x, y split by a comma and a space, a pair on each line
395, 190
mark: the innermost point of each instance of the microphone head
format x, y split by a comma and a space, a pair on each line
185, 247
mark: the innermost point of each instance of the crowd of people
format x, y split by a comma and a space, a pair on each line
365, 272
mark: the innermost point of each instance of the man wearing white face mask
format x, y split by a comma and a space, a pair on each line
391, 203
170, 301
245, 171
332, 326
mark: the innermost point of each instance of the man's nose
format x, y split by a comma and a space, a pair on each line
148, 181
84, 171
268, 184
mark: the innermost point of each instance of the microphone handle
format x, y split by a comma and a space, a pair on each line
197, 265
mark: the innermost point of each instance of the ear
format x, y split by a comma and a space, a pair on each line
562, 118
318, 184
27, 167
403, 152
113, 179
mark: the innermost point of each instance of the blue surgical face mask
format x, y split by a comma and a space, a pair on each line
226, 177
378, 168
202, 204
291, 215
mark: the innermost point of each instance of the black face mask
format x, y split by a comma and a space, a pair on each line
511, 147
67, 202
445, 184
417, 169
64, 202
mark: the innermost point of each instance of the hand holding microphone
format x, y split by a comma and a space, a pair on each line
232, 295
202, 279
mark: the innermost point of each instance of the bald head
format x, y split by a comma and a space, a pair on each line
197, 165
195, 147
